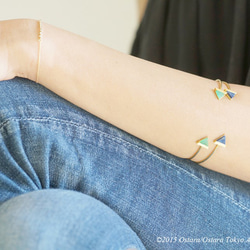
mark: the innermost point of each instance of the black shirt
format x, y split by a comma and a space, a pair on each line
209, 38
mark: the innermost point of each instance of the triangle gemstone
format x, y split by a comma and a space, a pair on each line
203, 142
221, 141
219, 93
230, 94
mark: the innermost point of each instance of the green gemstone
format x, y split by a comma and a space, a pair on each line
203, 142
219, 93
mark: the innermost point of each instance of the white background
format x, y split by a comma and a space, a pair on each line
110, 22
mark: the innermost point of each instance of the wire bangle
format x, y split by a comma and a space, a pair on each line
208, 155
220, 93
39, 50
220, 141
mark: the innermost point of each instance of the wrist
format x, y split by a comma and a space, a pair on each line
23, 47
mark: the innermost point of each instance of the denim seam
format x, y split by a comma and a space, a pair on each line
116, 139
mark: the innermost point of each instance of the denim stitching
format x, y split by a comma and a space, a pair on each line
124, 142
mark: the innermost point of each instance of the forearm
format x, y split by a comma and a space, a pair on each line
167, 108
141, 7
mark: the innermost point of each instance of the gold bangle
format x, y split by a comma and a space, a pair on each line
220, 141
219, 93
39, 50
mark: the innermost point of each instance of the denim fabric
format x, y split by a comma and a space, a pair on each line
170, 203
61, 219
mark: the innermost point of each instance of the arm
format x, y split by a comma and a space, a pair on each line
165, 107
142, 4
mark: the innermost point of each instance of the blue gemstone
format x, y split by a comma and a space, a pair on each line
230, 94
222, 140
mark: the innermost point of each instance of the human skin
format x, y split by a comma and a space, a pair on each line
168, 108
141, 7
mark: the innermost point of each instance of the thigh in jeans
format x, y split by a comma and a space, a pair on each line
61, 219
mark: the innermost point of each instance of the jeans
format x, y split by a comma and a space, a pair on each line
69, 180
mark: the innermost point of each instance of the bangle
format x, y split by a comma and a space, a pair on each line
219, 93
39, 50
219, 142
203, 143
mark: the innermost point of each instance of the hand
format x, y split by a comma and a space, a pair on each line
18, 48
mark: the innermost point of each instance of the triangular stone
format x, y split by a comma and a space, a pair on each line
230, 93
219, 93
203, 142
221, 141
